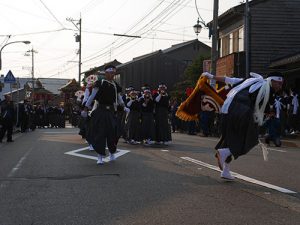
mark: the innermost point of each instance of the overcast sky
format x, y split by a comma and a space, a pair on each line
160, 23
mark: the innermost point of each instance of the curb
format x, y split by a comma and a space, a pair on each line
293, 144
286, 143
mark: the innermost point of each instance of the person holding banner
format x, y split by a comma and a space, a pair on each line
241, 114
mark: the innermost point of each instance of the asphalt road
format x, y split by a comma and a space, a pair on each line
175, 184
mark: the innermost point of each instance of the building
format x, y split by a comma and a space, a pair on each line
46, 89
273, 35
290, 66
162, 66
6, 88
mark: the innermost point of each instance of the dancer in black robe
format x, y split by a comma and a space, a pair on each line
103, 119
147, 118
162, 109
134, 117
242, 113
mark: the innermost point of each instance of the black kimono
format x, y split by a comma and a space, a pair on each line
239, 130
163, 127
103, 124
147, 119
133, 122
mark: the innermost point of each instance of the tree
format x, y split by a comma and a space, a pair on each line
189, 78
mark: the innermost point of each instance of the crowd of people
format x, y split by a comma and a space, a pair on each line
27, 117
148, 117
253, 107
142, 117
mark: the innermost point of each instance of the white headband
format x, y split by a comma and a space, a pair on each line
110, 69
276, 78
162, 86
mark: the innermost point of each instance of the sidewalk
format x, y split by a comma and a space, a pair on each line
292, 141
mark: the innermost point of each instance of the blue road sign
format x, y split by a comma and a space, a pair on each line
10, 78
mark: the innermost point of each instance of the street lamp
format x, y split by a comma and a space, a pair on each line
9, 43
197, 27
215, 35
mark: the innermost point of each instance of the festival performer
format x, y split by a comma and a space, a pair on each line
295, 114
124, 115
103, 124
242, 113
147, 119
162, 104
85, 118
134, 117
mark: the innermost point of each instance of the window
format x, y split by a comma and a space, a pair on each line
241, 39
232, 42
225, 46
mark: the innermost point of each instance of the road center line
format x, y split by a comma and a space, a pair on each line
16, 168
241, 177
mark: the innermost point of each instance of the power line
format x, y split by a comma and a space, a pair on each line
132, 27
39, 32
163, 12
52, 14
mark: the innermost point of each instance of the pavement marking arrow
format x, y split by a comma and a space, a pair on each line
241, 177
119, 153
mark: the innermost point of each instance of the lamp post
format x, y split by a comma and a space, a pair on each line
197, 27
215, 36
9, 43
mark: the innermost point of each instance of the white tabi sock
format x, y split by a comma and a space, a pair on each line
112, 157
225, 151
226, 172
100, 160
222, 155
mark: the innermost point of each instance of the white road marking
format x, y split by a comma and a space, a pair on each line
164, 150
60, 132
276, 150
16, 168
119, 153
242, 177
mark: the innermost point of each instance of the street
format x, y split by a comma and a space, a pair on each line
50, 177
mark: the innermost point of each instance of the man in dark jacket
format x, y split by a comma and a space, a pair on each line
7, 118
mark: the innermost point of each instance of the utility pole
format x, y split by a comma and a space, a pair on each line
215, 39
32, 51
77, 39
246, 38
79, 52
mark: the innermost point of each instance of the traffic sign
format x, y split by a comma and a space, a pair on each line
10, 78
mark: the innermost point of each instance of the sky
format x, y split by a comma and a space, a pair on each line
159, 23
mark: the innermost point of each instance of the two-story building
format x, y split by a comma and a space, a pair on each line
273, 36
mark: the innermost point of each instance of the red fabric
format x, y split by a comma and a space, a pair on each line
189, 91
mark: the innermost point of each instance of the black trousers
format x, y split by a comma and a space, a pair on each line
24, 123
7, 126
103, 130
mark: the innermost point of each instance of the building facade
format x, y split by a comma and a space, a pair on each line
273, 33
163, 66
